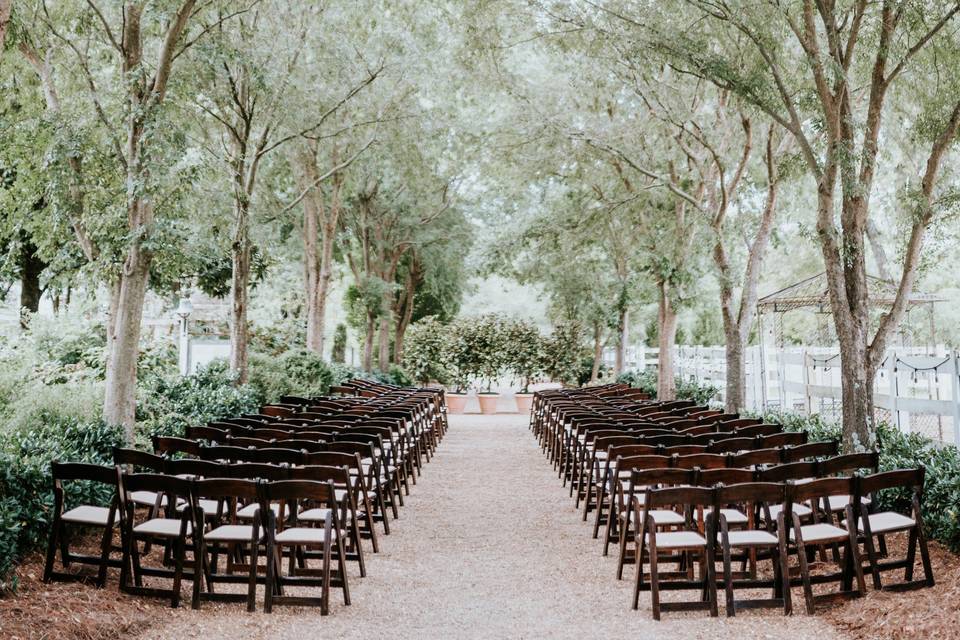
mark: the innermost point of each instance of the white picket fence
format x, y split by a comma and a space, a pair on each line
915, 390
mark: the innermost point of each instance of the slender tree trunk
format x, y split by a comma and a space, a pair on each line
319, 223
383, 360
31, 268
405, 313
857, 395
123, 347
240, 293
622, 337
368, 343
666, 338
5, 8
311, 270
736, 378
597, 351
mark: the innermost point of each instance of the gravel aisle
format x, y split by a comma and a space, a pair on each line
487, 546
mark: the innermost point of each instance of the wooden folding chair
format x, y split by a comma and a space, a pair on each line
228, 536
325, 538
823, 533
688, 543
93, 516
752, 541
173, 528
879, 523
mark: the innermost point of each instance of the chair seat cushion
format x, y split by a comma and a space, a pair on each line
247, 512
148, 498
679, 540
799, 509
887, 522
318, 514
87, 514
749, 537
303, 535
232, 533
666, 517
165, 527
839, 503
734, 516
821, 532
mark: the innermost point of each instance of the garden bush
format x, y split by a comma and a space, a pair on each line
293, 372
898, 450
523, 351
425, 351
686, 389
26, 492
167, 404
563, 350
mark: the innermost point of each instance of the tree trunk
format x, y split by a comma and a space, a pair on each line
622, 337
31, 268
857, 378
240, 295
384, 346
311, 270
368, 343
123, 346
597, 351
736, 379
666, 338
405, 314
5, 8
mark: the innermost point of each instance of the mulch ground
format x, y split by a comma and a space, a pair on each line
72, 610
924, 613
459, 568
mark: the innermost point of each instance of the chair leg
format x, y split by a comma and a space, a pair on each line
727, 576
252, 584
325, 596
911, 555
178, 554
342, 563
654, 579
105, 543
199, 553
52, 544
271, 578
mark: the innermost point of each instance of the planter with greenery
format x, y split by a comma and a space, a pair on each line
563, 351
461, 362
425, 351
524, 357
489, 339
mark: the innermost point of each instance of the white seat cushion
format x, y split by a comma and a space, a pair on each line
148, 498
666, 517
679, 540
166, 527
313, 515
820, 532
232, 533
247, 512
799, 509
747, 538
839, 503
734, 516
886, 522
209, 506
87, 514
303, 535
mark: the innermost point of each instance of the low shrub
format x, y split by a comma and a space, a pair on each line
898, 450
686, 389
26, 491
425, 352
167, 404
293, 372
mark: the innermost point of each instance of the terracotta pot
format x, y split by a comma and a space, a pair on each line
488, 403
524, 402
456, 402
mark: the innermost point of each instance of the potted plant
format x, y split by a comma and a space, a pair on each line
488, 342
461, 361
563, 350
524, 357
425, 352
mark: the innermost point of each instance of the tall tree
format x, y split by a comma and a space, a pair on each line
838, 65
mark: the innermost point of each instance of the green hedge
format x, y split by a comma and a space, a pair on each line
686, 389
941, 493
26, 496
